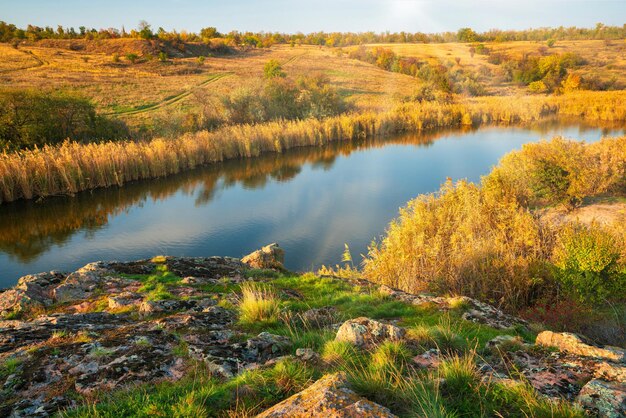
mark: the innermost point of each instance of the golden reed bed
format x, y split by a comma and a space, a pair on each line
72, 167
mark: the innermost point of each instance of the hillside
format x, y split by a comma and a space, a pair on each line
149, 90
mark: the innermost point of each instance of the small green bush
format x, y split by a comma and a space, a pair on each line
588, 262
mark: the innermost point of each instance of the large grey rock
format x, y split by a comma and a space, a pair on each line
269, 257
572, 343
605, 399
364, 332
329, 397
31, 290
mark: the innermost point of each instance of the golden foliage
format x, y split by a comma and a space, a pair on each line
71, 167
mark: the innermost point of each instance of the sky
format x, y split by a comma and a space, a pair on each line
292, 16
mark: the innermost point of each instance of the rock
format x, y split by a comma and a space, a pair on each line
330, 397
269, 257
320, 317
503, 340
265, 346
31, 290
574, 344
428, 360
605, 399
307, 355
124, 300
205, 267
82, 283
365, 333
151, 307
476, 311
609, 371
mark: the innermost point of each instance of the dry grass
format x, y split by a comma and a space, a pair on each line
73, 167
259, 303
119, 87
606, 60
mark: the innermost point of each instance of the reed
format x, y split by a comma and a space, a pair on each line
71, 167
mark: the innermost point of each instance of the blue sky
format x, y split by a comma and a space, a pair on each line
307, 16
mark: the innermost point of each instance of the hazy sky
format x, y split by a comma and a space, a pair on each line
307, 16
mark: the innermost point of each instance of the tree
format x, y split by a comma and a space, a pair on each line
273, 69
145, 31
467, 35
209, 33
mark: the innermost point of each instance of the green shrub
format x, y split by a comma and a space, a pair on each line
273, 69
588, 262
30, 117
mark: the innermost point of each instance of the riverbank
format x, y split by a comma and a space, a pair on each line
72, 167
211, 336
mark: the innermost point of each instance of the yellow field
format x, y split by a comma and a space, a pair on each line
605, 60
136, 93
152, 88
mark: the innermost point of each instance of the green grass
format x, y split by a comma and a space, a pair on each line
9, 366
384, 374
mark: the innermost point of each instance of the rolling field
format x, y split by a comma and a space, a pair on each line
150, 88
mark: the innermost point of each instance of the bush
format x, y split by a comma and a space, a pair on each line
562, 171
463, 240
588, 262
273, 69
33, 118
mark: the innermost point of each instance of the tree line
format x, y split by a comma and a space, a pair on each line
11, 33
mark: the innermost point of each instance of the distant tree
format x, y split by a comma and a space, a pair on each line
145, 31
201, 59
163, 56
273, 69
467, 35
206, 34
551, 42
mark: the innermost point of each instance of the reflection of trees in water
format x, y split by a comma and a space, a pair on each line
28, 229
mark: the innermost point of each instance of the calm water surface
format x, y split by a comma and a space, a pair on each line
311, 201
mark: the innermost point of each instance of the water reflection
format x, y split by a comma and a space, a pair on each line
28, 228
61, 227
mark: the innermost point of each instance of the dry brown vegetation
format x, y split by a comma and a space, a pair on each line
118, 88
72, 167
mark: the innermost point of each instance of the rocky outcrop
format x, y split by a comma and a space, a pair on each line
366, 333
329, 397
101, 331
605, 399
30, 291
574, 344
269, 257
474, 310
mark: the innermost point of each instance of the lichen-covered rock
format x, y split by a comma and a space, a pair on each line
431, 359
150, 307
610, 371
31, 290
124, 300
269, 257
574, 344
604, 399
475, 310
320, 317
265, 346
307, 355
364, 332
503, 341
330, 397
